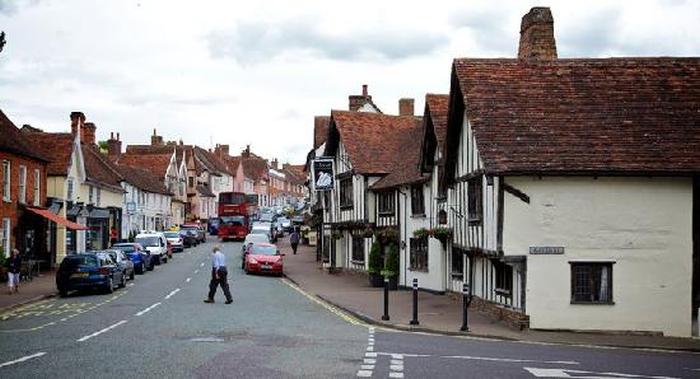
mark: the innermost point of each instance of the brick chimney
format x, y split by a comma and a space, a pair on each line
114, 146
537, 35
221, 151
156, 140
246, 153
406, 107
77, 119
356, 102
87, 133
274, 164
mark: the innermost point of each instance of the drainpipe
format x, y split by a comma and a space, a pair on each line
405, 231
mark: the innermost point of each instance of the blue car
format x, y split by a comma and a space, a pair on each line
139, 256
89, 271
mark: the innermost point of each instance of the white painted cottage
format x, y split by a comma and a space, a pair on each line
574, 186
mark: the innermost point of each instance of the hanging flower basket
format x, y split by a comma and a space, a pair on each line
422, 233
442, 234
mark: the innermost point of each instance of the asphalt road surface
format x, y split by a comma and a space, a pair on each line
158, 326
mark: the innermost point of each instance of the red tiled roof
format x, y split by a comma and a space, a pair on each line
580, 116
210, 161
320, 130
156, 164
254, 168
436, 107
143, 179
57, 147
99, 169
369, 138
406, 166
16, 142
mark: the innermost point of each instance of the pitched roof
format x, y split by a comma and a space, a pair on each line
370, 139
16, 142
99, 169
156, 164
436, 107
204, 190
58, 147
143, 179
254, 168
579, 116
406, 167
320, 130
210, 161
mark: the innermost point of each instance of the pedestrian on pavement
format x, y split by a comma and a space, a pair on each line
218, 276
13, 268
294, 240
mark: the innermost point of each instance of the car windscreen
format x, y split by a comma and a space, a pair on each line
260, 231
77, 260
233, 220
263, 250
253, 238
172, 235
125, 248
148, 241
266, 217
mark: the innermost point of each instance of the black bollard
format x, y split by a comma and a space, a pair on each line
385, 316
415, 302
466, 299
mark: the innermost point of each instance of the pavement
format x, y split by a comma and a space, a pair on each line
39, 288
158, 326
442, 314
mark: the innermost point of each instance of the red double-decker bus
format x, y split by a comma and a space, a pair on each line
235, 211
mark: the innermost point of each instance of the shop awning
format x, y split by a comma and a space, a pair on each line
45, 213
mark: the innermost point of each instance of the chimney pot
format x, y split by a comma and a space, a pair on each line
114, 147
364, 90
537, 35
406, 107
76, 122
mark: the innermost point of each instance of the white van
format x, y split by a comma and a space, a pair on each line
156, 244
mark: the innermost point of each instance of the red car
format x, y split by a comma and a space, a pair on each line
263, 258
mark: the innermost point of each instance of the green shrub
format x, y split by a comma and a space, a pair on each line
391, 265
375, 259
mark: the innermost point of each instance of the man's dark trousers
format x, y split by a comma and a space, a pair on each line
221, 281
294, 247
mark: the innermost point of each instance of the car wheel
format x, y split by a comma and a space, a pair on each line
62, 292
110, 286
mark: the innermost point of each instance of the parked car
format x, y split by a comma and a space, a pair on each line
189, 237
249, 240
156, 244
263, 258
268, 217
213, 226
201, 233
87, 272
124, 263
265, 229
285, 223
176, 241
139, 256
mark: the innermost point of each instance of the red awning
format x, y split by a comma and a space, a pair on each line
57, 219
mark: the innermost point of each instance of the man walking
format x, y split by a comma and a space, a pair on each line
14, 265
218, 276
294, 240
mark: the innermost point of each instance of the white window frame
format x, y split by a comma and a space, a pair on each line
22, 186
37, 187
70, 189
5, 236
6, 181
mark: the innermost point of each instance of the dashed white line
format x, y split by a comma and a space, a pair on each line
396, 374
188, 280
201, 264
148, 309
364, 373
196, 271
25, 358
369, 361
82, 339
168, 296
511, 360
131, 284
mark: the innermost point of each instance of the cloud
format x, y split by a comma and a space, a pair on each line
10, 7
255, 42
596, 34
487, 28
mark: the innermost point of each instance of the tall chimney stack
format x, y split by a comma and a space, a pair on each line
537, 35
77, 119
357, 101
156, 140
114, 146
406, 107
87, 133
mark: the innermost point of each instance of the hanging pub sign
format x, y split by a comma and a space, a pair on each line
322, 171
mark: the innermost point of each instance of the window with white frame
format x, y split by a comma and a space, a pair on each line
386, 203
419, 254
5, 234
6, 180
37, 187
69, 189
22, 195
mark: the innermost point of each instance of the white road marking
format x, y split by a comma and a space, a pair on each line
188, 280
396, 361
396, 367
131, 284
168, 296
396, 374
397, 356
101, 331
367, 367
148, 309
25, 358
511, 360
370, 355
370, 348
369, 361
201, 264
196, 271
564, 373
364, 374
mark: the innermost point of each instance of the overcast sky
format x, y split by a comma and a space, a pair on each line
256, 72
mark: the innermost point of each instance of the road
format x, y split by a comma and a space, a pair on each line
159, 327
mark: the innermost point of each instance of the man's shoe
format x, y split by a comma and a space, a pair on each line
229, 301
209, 301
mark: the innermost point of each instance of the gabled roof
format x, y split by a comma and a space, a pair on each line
320, 130
254, 168
406, 166
369, 138
579, 116
209, 161
156, 164
143, 179
436, 107
204, 191
16, 142
99, 170
58, 147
